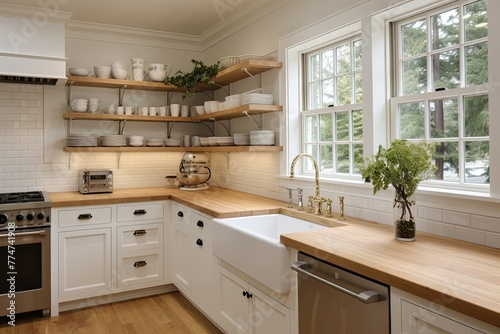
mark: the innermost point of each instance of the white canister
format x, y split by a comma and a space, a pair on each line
186, 140
184, 110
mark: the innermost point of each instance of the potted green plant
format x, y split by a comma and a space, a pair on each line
403, 165
201, 74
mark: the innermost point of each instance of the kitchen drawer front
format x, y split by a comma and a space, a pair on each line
140, 267
138, 237
139, 212
180, 214
201, 225
84, 216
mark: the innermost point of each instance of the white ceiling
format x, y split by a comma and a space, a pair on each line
190, 17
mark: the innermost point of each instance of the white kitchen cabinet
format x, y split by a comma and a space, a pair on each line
243, 308
413, 315
84, 263
193, 260
106, 250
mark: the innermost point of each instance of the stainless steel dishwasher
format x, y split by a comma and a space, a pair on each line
333, 300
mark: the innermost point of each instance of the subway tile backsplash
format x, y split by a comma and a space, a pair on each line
22, 168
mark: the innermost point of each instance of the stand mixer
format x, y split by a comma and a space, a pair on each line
193, 171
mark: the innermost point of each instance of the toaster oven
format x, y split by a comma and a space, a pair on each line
92, 181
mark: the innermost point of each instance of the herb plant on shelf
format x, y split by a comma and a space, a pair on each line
200, 75
403, 165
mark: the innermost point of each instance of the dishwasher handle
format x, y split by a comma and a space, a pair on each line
366, 297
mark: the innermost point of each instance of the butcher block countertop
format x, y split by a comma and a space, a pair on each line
462, 276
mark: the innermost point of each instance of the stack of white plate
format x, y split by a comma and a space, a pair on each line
154, 142
211, 106
81, 140
257, 98
225, 141
212, 141
262, 137
136, 140
114, 140
233, 101
173, 142
204, 141
242, 139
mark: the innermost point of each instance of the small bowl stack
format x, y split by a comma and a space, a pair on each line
118, 71
204, 141
262, 137
225, 141
79, 71
172, 142
136, 140
154, 142
102, 71
211, 106
233, 101
242, 139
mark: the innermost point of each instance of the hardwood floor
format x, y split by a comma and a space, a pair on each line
169, 313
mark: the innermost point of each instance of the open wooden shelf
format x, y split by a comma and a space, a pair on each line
224, 77
250, 109
123, 149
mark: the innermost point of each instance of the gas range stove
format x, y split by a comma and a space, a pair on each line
25, 209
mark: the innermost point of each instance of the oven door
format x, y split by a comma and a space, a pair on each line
25, 270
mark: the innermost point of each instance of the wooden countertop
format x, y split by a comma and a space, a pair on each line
462, 276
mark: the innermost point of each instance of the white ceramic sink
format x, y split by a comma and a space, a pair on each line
252, 245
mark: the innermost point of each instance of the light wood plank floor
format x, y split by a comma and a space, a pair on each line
169, 313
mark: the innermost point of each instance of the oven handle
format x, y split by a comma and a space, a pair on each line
39, 232
366, 297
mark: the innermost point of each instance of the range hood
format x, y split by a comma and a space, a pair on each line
32, 44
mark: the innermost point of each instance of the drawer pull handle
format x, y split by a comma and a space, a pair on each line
84, 216
180, 214
199, 242
140, 212
200, 223
140, 264
140, 232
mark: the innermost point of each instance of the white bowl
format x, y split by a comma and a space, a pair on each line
229, 61
262, 137
119, 73
102, 71
200, 110
172, 142
79, 71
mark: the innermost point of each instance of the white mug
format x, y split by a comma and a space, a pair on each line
184, 110
162, 111
79, 105
93, 107
152, 111
129, 110
120, 110
143, 111
175, 109
94, 100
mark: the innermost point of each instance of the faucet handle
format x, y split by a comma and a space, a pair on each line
310, 205
300, 202
290, 189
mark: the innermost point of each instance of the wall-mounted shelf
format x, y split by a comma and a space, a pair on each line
251, 109
144, 149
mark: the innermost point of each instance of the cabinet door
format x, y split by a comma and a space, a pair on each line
267, 315
201, 275
182, 259
85, 263
233, 304
418, 320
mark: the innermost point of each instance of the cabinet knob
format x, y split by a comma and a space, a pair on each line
84, 216
199, 242
140, 232
140, 264
200, 223
180, 214
140, 212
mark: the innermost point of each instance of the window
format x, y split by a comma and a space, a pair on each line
332, 120
441, 88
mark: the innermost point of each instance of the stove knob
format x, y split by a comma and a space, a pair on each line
30, 216
4, 218
19, 217
40, 215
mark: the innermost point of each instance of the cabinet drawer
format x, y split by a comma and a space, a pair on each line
138, 212
84, 216
201, 225
143, 236
140, 267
